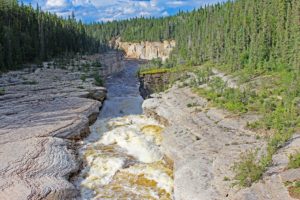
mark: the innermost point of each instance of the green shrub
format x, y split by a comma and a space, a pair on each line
247, 170
152, 70
294, 189
31, 82
190, 105
203, 75
97, 64
2, 91
83, 77
98, 81
294, 162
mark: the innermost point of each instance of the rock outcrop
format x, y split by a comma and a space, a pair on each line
151, 83
41, 112
145, 50
205, 142
157, 82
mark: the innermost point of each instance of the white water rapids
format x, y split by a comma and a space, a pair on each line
122, 156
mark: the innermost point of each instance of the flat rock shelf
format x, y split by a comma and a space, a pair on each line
42, 113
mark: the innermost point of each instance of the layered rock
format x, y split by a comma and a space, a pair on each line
157, 82
151, 83
41, 112
205, 142
145, 50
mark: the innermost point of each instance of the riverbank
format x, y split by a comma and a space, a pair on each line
209, 143
43, 111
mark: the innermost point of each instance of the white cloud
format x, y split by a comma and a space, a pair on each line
108, 10
56, 3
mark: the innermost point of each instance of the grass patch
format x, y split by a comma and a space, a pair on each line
230, 99
98, 81
32, 82
2, 91
190, 105
97, 64
275, 95
294, 162
83, 77
153, 70
247, 170
294, 189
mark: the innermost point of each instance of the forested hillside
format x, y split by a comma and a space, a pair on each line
261, 34
28, 35
135, 30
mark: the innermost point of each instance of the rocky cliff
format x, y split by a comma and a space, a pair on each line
157, 82
42, 112
205, 143
145, 50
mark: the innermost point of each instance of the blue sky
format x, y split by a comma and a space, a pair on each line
108, 10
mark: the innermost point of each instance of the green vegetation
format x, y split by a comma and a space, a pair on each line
83, 77
190, 105
294, 162
153, 70
2, 91
277, 105
294, 189
98, 81
261, 35
231, 99
30, 82
256, 41
31, 35
97, 64
248, 170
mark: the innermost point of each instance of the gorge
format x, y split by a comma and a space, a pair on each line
199, 105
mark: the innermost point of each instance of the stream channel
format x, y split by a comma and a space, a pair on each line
122, 156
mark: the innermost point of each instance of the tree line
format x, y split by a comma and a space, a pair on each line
263, 34
31, 35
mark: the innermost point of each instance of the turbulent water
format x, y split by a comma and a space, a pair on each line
122, 156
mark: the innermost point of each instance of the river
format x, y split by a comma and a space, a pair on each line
122, 155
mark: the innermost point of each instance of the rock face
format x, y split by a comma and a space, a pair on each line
204, 143
145, 50
41, 113
151, 83
157, 82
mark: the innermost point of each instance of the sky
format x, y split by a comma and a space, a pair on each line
108, 10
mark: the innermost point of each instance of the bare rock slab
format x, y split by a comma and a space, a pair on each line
42, 113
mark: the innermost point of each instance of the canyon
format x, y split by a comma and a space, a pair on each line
145, 50
57, 144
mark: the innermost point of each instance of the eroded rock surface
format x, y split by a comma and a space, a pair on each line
205, 143
145, 50
42, 111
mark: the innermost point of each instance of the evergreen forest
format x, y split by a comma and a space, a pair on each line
31, 35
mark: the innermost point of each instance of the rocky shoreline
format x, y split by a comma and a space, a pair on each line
205, 142
43, 112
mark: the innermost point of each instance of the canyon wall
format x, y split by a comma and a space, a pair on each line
145, 50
